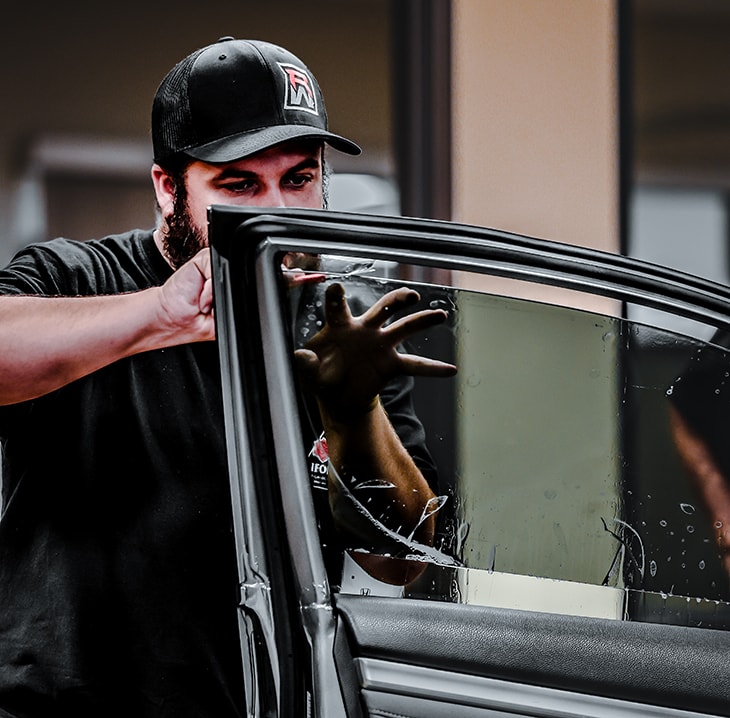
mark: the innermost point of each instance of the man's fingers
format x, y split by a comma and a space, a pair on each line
336, 311
421, 366
298, 277
413, 323
307, 362
205, 301
202, 262
388, 305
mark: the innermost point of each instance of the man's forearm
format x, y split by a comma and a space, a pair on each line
709, 481
48, 342
368, 451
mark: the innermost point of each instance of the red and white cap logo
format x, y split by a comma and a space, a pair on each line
299, 91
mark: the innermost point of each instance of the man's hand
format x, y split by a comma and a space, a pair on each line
352, 358
186, 301
299, 268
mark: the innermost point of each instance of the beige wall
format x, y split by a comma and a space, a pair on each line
536, 119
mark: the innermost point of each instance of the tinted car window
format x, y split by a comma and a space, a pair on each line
560, 481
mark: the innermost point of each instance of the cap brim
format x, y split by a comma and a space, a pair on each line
236, 147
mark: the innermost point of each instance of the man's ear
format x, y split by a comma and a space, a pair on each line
164, 190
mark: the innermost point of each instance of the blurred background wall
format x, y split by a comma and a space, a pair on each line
599, 122
78, 81
676, 97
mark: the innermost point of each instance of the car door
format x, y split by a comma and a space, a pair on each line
579, 566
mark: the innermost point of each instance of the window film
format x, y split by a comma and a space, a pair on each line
577, 458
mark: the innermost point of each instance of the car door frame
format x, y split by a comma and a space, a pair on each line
356, 655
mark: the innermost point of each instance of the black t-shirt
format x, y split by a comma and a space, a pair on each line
118, 588
118, 581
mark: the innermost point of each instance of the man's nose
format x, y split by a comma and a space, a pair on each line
274, 197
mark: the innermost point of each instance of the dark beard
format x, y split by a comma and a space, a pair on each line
181, 239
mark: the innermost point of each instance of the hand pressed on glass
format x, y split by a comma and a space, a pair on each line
352, 358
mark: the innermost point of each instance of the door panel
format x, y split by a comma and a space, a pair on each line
579, 564
638, 663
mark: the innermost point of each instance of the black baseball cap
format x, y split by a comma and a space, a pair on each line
235, 98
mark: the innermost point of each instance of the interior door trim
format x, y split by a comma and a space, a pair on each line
390, 687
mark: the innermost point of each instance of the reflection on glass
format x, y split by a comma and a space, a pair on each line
561, 481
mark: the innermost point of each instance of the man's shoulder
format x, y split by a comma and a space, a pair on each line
65, 249
126, 243
117, 262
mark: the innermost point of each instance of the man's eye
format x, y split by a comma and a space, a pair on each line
239, 186
298, 180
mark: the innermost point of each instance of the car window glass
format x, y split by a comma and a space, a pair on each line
571, 453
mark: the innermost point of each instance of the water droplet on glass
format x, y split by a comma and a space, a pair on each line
652, 568
670, 391
663, 523
701, 564
687, 508
690, 529
718, 524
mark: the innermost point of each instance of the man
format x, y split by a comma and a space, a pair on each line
118, 590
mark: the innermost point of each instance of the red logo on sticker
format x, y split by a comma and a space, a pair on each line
319, 449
